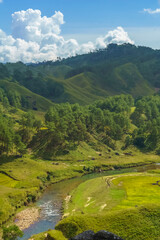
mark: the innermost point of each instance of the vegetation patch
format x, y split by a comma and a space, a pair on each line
114, 192
49, 235
140, 223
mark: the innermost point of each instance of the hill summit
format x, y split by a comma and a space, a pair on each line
118, 69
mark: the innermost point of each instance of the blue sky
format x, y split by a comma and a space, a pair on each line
86, 20
82, 14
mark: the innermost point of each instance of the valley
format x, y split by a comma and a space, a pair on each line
95, 115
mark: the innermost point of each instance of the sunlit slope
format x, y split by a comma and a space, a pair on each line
114, 193
84, 78
87, 87
126, 204
84, 89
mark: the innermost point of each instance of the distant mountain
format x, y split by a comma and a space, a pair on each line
86, 78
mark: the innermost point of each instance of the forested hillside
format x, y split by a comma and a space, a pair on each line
118, 69
87, 113
116, 123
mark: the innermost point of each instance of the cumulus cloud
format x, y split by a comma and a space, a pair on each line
35, 38
118, 36
150, 11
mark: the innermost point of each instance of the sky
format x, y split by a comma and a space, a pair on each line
40, 30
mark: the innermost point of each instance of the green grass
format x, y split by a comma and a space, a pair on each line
114, 193
26, 177
93, 196
49, 235
7, 181
131, 224
139, 190
31, 176
126, 204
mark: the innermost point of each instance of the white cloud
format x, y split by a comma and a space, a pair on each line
31, 26
1, 1
150, 11
118, 36
36, 38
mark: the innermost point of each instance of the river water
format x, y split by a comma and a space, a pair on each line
51, 200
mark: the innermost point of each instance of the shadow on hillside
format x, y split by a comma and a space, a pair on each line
6, 159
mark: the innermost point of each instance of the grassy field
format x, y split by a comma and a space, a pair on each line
141, 223
114, 193
22, 180
126, 204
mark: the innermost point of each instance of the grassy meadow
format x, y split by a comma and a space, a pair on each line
114, 193
22, 179
126, 204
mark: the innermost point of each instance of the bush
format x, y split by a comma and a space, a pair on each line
12, 233
68, 228
49, 235
55, 235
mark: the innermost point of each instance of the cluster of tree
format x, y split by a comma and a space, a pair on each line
15, 135
4, 73
147, 119
13, 98
12, 232
117, 118
67, 125
38, 83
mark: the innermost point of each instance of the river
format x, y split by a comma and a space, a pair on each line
51, 200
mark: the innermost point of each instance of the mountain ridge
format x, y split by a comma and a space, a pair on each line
118, 69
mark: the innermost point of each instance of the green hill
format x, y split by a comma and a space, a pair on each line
124, 69
32, 100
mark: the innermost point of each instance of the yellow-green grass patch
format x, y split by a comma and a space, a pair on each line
7, 181
113, 193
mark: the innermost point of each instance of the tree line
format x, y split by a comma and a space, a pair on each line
117, 118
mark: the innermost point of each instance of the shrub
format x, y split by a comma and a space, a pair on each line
55, 235
12, 233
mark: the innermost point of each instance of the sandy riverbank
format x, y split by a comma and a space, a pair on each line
27, 217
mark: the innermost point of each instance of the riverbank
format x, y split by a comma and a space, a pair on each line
96, 199
27, 217
126, 204
22, 191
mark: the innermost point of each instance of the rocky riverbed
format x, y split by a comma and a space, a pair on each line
27, 217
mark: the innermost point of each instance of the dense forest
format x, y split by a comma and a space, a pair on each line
64, 126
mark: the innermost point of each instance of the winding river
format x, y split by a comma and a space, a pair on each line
51, 200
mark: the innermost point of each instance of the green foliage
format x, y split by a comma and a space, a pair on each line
55, 235
68, 228
136, 223
13, 94
68, 125
49, 235
86, 78
12, 233
147, 118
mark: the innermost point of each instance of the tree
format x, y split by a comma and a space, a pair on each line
12, 233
